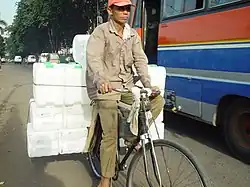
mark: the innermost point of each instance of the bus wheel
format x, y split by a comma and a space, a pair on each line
237, 129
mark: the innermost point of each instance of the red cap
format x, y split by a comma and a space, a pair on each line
119, 2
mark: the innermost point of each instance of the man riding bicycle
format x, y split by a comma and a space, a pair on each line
113, 49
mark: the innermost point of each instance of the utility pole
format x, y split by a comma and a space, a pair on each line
99, 19
97, 8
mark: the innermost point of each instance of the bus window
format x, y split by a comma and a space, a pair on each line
213, 3
132, 13
177, 7
153, 12
137, 20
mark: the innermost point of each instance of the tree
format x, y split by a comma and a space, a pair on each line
2, 47
49, 25
3, 24
91, 9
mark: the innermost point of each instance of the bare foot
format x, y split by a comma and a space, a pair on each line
105, 182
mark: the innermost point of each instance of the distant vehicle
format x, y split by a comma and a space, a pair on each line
3, 60
69, 59
44, 57
18, 59
54, 58
31, 59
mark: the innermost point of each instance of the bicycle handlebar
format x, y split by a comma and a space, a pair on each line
154, 92
125, 90
121, 90
117, 90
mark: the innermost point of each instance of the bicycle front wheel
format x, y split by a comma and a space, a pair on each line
177, 167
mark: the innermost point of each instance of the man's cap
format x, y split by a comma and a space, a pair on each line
119, 3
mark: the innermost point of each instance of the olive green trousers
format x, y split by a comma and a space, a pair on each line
108, 112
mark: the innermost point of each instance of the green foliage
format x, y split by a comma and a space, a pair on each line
2, 47
47, 25
3, 24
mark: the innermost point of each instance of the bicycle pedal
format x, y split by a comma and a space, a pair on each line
125, 166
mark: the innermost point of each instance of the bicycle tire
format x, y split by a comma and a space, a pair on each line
96, 171
97, 174
167, 143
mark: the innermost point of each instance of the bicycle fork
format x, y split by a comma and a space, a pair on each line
144, 116
154, 159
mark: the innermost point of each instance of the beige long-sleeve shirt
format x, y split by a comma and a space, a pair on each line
110, 59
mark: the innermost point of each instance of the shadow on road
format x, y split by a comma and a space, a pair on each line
16, 169
41, 163
204, 133
6, 99
44, 161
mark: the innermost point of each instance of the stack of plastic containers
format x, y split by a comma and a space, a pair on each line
60, 110
158, 78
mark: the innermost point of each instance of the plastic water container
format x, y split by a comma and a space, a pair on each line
158, 76
48, 95
77, 116
71, 74
75, 95
160, 127
160, 118
48, 80
59, 84
45, 118
60, 95
75, 75
72, 140
80, 42
48, 74
41, 144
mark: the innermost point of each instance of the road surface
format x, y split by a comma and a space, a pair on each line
16, 169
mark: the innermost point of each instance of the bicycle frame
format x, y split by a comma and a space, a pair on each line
141, 102
143, 135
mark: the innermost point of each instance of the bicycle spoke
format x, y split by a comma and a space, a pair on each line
179, 170
145, 163
156, 168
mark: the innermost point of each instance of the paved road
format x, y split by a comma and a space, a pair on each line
16, 170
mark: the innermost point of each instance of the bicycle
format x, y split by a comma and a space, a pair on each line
147, 145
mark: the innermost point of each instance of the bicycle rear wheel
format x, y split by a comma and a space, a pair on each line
94, 160
172, 172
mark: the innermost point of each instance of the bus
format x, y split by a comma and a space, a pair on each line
205, 47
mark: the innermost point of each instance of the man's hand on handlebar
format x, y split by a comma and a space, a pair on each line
105, 88
155, 91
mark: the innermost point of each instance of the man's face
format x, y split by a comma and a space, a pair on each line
120, 13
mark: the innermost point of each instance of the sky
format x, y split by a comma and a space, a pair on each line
7, 10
